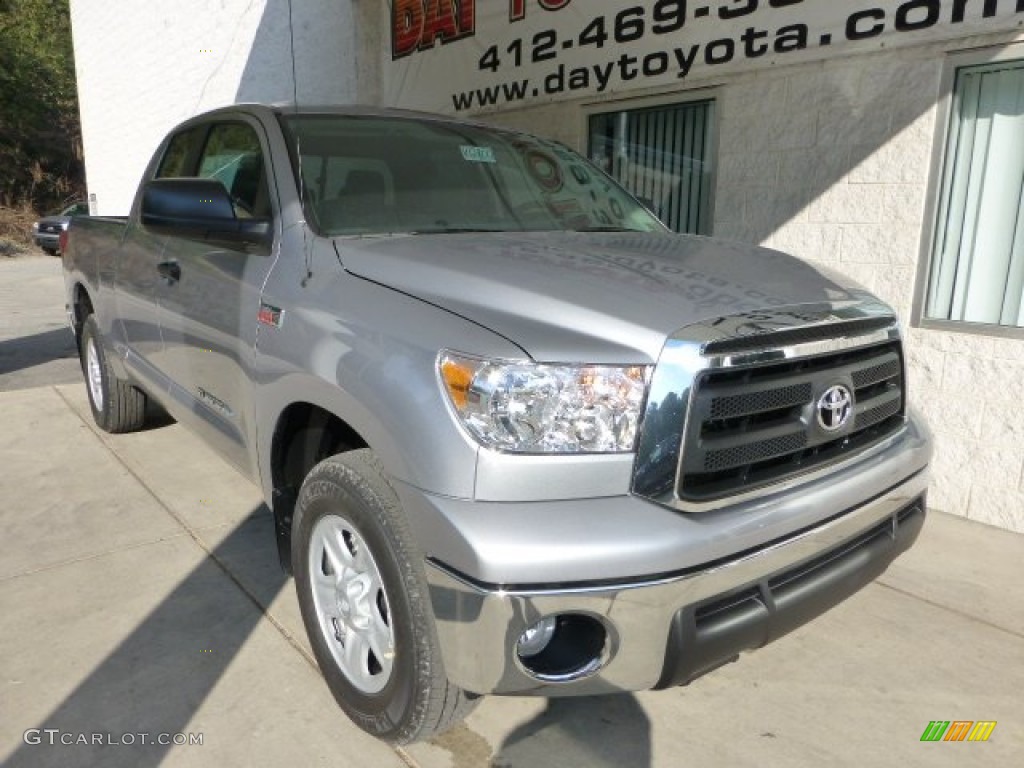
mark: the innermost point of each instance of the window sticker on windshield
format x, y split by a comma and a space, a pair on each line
478, 154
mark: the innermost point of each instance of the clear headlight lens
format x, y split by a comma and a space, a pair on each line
533, 408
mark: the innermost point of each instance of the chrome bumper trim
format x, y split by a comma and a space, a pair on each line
478, 626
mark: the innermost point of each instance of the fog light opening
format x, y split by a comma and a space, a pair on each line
563, 648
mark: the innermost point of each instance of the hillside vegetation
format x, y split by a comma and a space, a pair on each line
40, 135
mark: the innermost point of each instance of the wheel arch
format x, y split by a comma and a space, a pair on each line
304, 435
81, 307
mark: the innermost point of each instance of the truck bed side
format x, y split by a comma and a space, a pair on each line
89, 268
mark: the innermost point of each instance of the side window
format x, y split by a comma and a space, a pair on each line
180, 156
663, 155
977, 263
233, 156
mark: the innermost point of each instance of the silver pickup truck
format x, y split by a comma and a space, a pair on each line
517, 437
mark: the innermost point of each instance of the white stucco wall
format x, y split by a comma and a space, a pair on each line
144, 67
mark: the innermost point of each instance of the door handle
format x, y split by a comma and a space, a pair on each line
170, 270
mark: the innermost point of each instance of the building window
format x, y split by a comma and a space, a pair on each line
977, 260
664, 156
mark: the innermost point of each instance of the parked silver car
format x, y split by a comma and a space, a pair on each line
46, 232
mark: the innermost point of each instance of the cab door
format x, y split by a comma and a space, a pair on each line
210, 305
139, 282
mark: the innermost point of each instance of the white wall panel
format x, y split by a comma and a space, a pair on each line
145, 66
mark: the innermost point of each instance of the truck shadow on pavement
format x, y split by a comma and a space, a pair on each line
156, 680
29, 351
594, 731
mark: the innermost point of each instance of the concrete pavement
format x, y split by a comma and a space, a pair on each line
140, 594
36, 347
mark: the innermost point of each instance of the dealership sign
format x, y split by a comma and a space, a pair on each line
473, 56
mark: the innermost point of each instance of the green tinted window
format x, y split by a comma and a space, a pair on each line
180, 154
233, 156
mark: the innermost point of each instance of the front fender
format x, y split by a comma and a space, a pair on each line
367, 355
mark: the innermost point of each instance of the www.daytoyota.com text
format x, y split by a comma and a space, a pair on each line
669, 17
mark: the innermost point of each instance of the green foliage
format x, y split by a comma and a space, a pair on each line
40, 134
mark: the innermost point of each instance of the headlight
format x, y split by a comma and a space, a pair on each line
526, 407
35, 226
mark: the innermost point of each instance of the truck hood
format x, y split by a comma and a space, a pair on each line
589, 297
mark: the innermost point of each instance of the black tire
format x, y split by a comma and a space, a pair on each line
117, 405
416, 700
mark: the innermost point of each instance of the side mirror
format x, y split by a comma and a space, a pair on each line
198, 209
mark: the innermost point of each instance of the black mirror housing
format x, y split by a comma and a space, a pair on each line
198, 209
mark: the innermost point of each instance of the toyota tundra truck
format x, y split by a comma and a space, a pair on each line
518, 438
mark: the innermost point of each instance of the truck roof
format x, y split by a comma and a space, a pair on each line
354, 110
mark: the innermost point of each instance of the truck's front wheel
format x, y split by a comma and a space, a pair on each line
365, 603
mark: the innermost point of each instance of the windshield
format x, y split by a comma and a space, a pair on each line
380, 175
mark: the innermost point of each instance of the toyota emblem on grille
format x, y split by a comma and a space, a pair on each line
834, 408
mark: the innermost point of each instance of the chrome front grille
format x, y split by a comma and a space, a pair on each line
743, 405
751, 426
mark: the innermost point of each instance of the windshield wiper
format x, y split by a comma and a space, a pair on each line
605, 229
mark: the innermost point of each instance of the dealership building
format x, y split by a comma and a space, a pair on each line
883, 139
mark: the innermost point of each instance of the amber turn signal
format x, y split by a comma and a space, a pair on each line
457, 378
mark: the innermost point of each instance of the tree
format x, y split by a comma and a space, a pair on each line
40, 132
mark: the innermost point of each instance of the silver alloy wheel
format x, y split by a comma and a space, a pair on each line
351, 604
93, 373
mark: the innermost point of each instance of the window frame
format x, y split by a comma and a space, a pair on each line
672, 99
940, 160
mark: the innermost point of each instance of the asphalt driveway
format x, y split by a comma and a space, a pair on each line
140, 597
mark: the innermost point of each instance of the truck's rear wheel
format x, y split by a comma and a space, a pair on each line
117, 406
365, 603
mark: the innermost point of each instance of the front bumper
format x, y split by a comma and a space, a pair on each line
47, 240
670, 630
